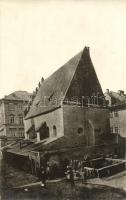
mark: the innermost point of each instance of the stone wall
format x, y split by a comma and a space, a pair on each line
54, 118
18, 161
83, 125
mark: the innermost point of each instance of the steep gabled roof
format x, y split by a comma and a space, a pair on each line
54, 89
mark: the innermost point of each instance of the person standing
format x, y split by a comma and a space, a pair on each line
43, 177
48, 173
84, 175
71, 177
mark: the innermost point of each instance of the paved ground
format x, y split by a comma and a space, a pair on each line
116, 181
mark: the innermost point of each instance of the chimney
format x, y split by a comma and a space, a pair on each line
107, 91
39, 84
36, 90
42, 80
121, 92
31, 97
33, 94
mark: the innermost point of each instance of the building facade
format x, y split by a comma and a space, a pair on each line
69, 106
12, 112
117, 107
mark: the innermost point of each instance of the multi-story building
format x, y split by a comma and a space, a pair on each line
117, 107
12, 112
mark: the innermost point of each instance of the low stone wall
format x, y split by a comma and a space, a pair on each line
17, 161
62, 155
111, 170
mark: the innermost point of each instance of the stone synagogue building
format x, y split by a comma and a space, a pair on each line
69, 108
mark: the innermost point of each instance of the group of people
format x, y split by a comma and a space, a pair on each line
76, 169
80, 170
78, 165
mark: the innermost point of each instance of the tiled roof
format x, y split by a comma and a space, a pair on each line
18, 95
54, 88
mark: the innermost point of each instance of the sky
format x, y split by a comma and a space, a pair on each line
39, 36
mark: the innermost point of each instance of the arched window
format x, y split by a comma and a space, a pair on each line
44, 131
54, 131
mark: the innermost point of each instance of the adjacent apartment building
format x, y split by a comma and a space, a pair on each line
117, 106
69, 107
12, 112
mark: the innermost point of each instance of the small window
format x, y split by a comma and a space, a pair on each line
80, 131
12, 119
54, 131
21, 132
12, 132
20, 120
20, 106
116, 130
116, 114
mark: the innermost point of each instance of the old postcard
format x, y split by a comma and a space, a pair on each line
62, 100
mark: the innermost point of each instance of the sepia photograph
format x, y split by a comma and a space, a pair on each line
62, 100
